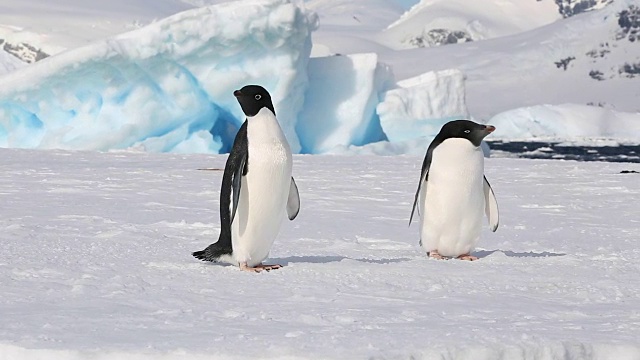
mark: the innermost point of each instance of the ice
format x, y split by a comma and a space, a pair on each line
167, 86
340, 102
164, 86
569, 122
419, 106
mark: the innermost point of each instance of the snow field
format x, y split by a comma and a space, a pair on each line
96, 264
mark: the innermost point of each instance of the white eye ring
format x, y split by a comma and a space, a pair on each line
467, 131
258, 97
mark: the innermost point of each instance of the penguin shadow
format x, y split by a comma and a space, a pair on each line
484, 253
329, 259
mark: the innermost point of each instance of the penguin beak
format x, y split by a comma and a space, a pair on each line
489, 129
237, 93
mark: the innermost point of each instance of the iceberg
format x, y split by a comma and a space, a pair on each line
567, 122
340, 103
419, 106
167, 87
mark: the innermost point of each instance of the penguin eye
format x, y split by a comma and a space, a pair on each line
467, 131
258, 97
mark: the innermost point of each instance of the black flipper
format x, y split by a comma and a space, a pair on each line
424, 174
423, 178
236, 167
237, 184
464, 129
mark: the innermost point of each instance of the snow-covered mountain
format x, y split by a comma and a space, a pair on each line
23, 51
573, 7
441, 22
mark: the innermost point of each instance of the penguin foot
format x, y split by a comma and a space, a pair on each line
269, 267
467, 257
435, 255
258, 268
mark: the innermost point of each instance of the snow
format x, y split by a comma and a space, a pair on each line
481, 19
569, 122
66, 24
96, 264
419, 106
165, 87
520, 70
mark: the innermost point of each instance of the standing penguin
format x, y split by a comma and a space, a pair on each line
453, 192
257, 187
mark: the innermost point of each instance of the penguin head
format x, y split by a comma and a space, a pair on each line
252, 98
465, 129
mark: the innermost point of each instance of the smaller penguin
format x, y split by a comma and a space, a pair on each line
453, 192
257, 187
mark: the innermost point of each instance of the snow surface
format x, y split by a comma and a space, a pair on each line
96, 264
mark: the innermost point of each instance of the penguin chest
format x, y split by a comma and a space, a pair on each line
454, 200
263, 193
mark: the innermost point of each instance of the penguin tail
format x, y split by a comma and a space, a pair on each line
212, 253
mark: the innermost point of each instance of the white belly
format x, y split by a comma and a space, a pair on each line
453, 204
264, 191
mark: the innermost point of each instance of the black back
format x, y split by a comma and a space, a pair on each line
252, 98
464, 129
236, 164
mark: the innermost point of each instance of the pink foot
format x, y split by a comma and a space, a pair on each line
435, 255
258, 268
467, 257
269, 267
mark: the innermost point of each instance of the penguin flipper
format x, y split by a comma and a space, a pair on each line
293, 201
236, 184
235, 167
424, 176
423, 179
491, 206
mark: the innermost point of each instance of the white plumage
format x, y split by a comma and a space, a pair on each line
453, 201
264, 191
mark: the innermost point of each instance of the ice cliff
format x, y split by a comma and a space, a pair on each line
168, 87
165, 87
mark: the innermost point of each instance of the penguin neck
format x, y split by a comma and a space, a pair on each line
458, 152
265, 127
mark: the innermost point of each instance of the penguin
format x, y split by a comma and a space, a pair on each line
453, 192
257, 187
